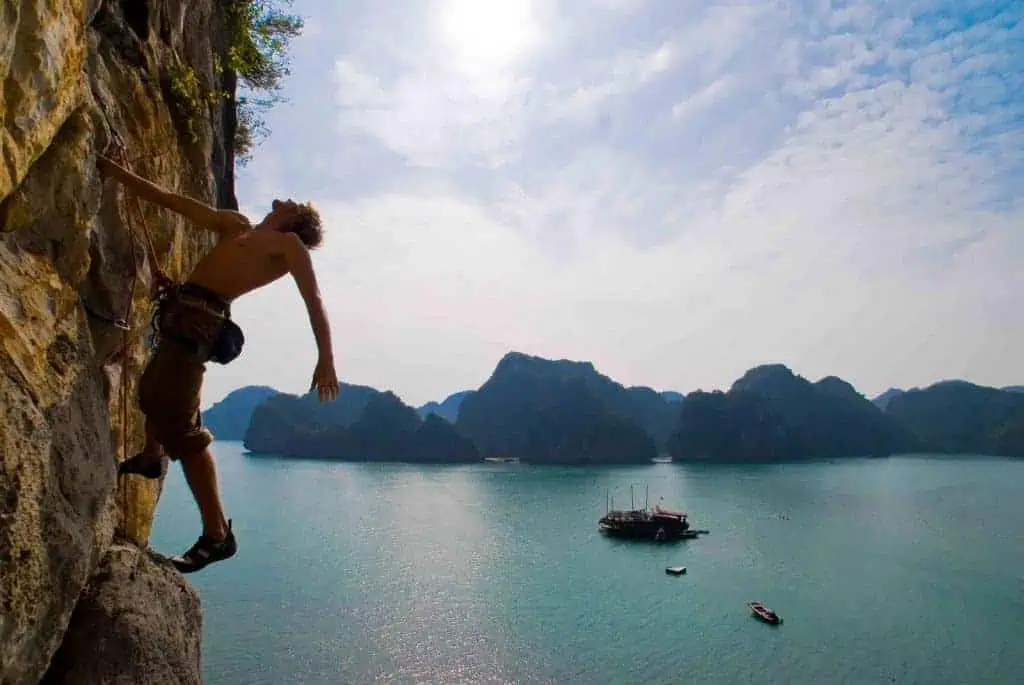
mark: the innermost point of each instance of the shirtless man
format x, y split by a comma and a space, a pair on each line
193, 320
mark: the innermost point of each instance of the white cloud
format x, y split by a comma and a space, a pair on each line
839, 194
433, 118
621, 5
435, 115
704, 98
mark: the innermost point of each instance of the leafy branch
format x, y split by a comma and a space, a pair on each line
260, 32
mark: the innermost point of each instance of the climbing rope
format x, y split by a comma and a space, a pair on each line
162, 282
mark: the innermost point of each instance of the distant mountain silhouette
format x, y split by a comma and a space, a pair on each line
563, 411
958, 417
447, 410
229, 418
279, 421
882, 401
772, 414
362, 424
647, 408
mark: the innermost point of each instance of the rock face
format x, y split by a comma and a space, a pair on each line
76, 75
138, 622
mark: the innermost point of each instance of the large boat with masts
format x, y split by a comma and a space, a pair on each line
655, 523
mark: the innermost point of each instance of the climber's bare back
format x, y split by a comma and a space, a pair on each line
244, 260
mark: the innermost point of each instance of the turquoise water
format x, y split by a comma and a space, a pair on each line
905, 570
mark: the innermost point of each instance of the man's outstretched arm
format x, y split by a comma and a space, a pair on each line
301, 267
199, 213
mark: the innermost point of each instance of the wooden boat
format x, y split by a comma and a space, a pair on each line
675, 570
764, 613
658, 524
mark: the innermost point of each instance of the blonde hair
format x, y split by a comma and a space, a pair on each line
307, 225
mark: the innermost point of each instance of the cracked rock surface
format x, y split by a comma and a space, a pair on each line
138, 621
76, 75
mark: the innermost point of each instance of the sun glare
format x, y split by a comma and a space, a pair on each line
485, 35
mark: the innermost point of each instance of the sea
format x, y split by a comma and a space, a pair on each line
904, 570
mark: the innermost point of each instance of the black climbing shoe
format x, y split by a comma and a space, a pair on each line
141, 466
205, 552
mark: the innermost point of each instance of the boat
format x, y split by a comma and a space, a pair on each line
656, 523
764, 613
675, 570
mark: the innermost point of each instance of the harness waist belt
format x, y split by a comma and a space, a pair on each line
197, 293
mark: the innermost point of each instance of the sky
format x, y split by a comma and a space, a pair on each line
676, 191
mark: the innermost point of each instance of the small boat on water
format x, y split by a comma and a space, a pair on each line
502, 460
675, 570
764, 613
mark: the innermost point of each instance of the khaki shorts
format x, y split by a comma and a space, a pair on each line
171, 385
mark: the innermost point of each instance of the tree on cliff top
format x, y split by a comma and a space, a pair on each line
260, 34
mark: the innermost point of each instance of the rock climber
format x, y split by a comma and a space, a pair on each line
193, 327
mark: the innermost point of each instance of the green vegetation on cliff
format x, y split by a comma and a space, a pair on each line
261, 32
248, 74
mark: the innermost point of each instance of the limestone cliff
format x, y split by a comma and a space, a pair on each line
76, 75
138, 621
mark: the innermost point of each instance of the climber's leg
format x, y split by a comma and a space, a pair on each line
180, 430
201, 475
217, 541
149, 462
169, 395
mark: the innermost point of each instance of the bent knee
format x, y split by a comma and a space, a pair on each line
184, 444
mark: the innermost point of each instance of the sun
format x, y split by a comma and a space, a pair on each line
484, 35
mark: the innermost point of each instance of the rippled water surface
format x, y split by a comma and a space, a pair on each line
905, 570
